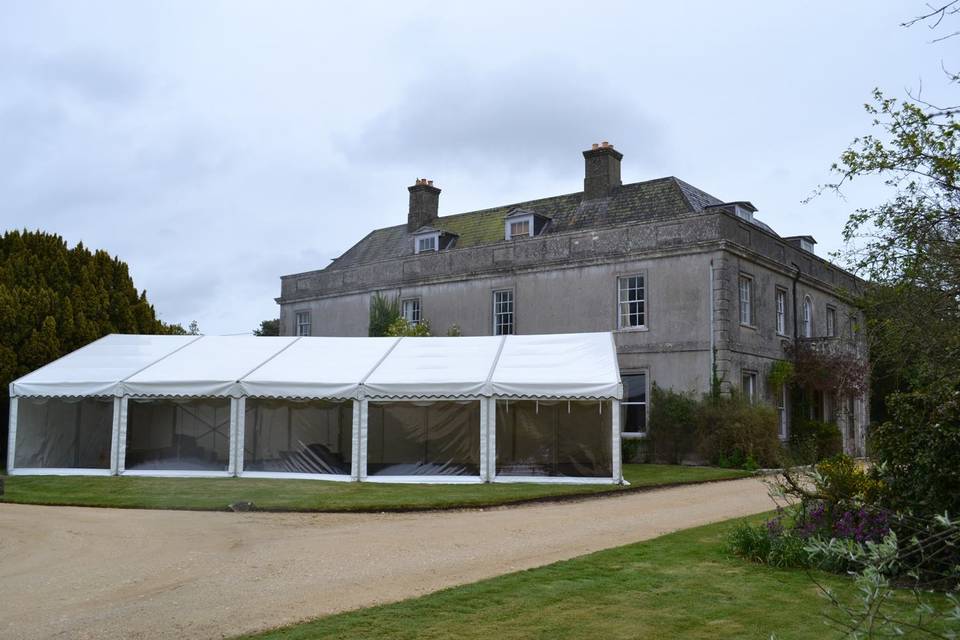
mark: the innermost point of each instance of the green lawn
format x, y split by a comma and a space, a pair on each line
315, 495
682, 585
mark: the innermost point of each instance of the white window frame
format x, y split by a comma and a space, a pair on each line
499, 312
299, 324
782, 412
743, 213
831, 321
645, 404
625, 303
416, 310
807, 317
508, 227
422, 238
780, 303
746, 305
750, 391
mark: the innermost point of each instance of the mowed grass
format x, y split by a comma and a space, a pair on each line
682, 585
316, 495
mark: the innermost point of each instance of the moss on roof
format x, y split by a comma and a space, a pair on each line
628, 203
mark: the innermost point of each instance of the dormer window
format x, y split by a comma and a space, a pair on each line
743, 213
429, 239
806, 245
519, 228
521, 223
427, 243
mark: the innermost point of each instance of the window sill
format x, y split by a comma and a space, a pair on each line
632, 329
632, 435
782, 335
749, 326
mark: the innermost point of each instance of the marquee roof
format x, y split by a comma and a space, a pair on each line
572, 365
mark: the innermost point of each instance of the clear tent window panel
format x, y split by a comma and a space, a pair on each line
178, 435
57, 433
554, 438
423, 438
284, 436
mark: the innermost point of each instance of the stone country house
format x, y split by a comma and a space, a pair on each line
692, 287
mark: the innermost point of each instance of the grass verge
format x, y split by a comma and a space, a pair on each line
315, 495
682, 585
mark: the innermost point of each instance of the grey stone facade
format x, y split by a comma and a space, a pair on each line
690, 248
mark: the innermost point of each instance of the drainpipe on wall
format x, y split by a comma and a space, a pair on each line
796, 277
713, 353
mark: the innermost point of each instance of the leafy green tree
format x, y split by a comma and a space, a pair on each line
268, 328
909, 247
54, 300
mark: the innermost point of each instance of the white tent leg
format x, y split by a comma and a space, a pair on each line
355, 442
484, 439
115, 438
615, 452
122, 437
238, 415
491, 439
12, 435
362, 444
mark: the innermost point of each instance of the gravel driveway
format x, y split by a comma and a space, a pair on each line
69, 572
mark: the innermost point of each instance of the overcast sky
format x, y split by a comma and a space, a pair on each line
215, 146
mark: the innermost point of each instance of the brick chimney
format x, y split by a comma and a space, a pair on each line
424, 204
602, 170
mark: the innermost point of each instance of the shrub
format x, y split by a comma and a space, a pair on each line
671, 428
383, 313
919, 451
402, 328
812, 440
751, 542
734, 432
633, 450
840, 480
768, 543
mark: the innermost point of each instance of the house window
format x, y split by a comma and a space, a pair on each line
748, 386
743, 212
781, 312
807, 317
632, 305
503, 312
831, 322
410, 309
519, 225
426, 243
303, 323
746, 300
519, 228
633, 409
782, 412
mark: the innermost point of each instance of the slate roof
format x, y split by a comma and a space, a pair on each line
635, 202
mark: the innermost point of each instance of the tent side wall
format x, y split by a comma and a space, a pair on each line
61, 436
372, 436
295, 439
423, 440
551, 440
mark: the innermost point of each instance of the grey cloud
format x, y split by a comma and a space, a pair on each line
516, 118
83, 74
